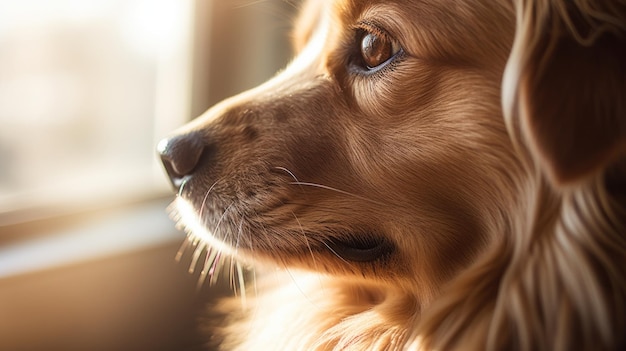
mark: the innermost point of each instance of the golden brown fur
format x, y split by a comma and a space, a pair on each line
467, 194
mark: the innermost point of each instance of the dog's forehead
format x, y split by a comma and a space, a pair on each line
427, 26
351, 10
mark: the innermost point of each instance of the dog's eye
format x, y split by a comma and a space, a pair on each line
376, 49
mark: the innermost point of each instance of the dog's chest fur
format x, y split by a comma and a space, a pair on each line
311, 312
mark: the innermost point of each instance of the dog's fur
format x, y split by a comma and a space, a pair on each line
469, 195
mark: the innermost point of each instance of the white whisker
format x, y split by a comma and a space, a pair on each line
196, 256
290, 173
239, 233
217, 226
204, 272
201, 241
182, 185
326, 187
206, 196
336, 254
306, 240
183, 247
248, 4
231, 276
242, 286
216, 267
297, 284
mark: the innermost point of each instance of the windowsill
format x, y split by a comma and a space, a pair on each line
103, 280
131, 228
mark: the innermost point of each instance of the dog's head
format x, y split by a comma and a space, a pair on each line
380, 152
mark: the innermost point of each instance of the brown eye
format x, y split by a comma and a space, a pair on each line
377, 49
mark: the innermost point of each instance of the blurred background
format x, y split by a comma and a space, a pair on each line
87, 88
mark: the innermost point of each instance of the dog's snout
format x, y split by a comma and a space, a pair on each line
180, 155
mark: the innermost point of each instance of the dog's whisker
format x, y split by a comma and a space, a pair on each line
175, 215
331, 209
336, 254
306, 240
290, 173
248, 4
206, 196
215, 269
326, 187
240, 276
208, 263
183, 248
239, 233
254, 282
196, 256
212, 263
287, 171
231, 276
182, 185
297, 285
308, 245
219, 222
204, 271
242, 285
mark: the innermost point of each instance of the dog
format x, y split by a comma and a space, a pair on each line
424, 175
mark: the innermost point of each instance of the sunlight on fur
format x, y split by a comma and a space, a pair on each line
202, 243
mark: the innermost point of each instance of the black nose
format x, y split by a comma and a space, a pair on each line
180, 155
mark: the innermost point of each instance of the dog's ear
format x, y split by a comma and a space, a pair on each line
567, 81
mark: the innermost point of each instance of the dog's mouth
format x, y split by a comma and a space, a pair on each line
361, 246
366, 248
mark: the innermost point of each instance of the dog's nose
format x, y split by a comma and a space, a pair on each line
180, 155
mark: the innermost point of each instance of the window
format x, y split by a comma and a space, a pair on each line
86, 89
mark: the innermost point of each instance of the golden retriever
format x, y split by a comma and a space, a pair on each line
424, 175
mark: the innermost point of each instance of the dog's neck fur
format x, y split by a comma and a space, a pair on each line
548, 284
